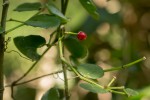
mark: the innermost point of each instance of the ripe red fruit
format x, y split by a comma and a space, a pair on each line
81, 35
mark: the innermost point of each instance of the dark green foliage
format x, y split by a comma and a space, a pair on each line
28, 45
52, 94
25, 93
75, 47
90, 7
28, 7
43, 21
53, 10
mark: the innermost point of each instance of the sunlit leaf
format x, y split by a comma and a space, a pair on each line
90, 70
93, 88
28, 7
131, 92
43, 21
28, 45
90, 7
75, 47
52, 94
53, 10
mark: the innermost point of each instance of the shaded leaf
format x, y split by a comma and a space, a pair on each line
25, 93
93, 88
74, 61
90, 7
52, 9
52, 94
75, 47
28, 7
43, 21
131, 92
28, 45
90, 70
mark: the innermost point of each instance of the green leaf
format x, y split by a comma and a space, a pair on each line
43, 21
75, 47
52, 94
131, 92
90, 70
90, 7
28, 7
53, 10
93, 88
28, 45
1, 30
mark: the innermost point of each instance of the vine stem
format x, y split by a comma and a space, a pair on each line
125, 66
61, 53
73, 69
64, 4
2, 44
33, 79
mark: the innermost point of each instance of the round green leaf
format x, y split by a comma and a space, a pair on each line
76, 49
52, 94
131, 92
43, 21
90, 7
90, 71
28, 45
93, 88
53, 10
28, 7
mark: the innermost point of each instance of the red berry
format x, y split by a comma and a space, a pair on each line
81, 35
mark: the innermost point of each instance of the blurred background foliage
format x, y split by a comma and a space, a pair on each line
121, 35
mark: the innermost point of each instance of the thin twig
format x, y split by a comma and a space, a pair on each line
27, 81
18, 54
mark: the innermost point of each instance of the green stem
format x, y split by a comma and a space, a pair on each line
14, 20
61, 49
71, 33
117, 92
14, 28
125, 66
71, 67
121, 87
111, 82
61, 53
